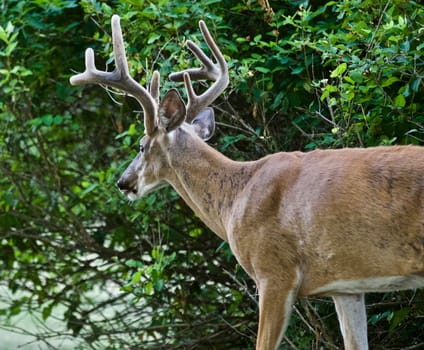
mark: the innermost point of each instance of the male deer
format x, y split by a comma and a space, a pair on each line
329, 222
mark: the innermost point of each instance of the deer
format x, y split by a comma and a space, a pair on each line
335, 222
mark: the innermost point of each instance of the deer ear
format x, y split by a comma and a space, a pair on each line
204, 123
172, 111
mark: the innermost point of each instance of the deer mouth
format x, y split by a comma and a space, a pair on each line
130, 194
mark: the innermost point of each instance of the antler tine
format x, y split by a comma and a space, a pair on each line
120, 79
208, 71
154, 86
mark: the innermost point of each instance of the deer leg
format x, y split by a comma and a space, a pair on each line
275, 305
353, 320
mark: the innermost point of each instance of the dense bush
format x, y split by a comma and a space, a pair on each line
119, 274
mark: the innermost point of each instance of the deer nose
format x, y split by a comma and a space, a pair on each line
125, 186
121, 184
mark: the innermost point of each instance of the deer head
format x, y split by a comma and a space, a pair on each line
163, 119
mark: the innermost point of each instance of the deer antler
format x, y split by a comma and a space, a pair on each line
209, 71
120, 79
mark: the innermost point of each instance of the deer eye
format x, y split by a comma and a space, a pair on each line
142, 148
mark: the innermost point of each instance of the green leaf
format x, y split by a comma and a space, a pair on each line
340, 69
10, 48
132, 130
356, 75
400, 101
196, 232
349, 79
377, 317
90, 188
148, 288
263, 69
134, 263
389, 81
405, 46
328, 90
227, 141
159, 284
398, 317
297, 70
46, 312
136, 277
415, 84
153, 37
3, 35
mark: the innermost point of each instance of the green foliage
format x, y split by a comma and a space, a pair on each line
370, 74
117, 274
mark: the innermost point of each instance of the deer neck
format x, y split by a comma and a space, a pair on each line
207, 180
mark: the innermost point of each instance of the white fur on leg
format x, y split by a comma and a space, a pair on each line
353, 320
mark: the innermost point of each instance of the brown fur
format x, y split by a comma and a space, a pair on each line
333, 215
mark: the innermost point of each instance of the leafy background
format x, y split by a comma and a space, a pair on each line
111, 274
